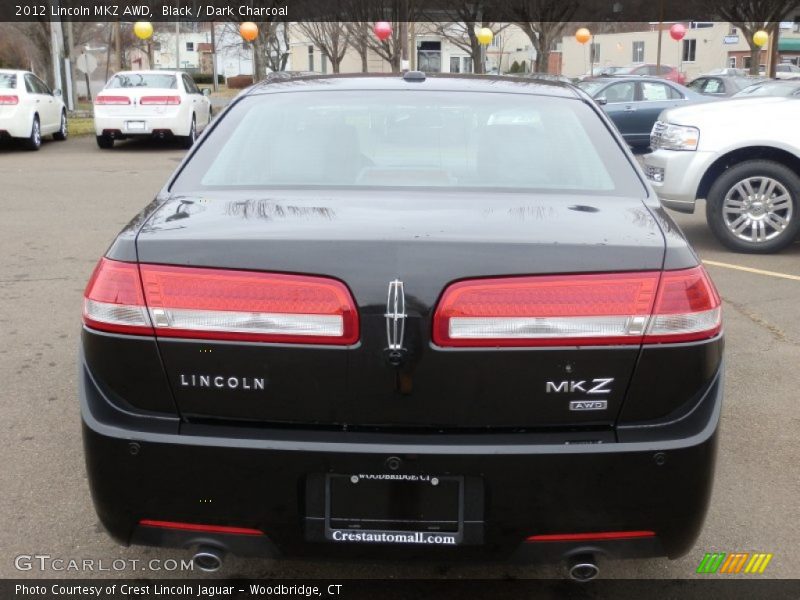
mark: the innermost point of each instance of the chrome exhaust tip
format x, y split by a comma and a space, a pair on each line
208, 559
583, 568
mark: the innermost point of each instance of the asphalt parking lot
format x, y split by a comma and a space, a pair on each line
62, 206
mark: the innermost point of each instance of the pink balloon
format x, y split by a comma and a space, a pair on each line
382, 30
677, 31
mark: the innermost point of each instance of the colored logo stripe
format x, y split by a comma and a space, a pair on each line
711, 562
758, 563
733, 563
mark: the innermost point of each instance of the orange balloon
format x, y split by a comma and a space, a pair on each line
583, 35
248, 31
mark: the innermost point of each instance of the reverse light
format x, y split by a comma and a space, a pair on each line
106, 100
160, 100
9, 100
579, 310
203, 303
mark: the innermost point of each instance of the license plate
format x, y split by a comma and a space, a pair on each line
135, 125
394, 509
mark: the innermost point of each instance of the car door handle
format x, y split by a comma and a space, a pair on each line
630, 109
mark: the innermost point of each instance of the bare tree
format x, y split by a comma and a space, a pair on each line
364, 14
544, 22
270, 50
461, 27
359, 34
331, 37
755, 15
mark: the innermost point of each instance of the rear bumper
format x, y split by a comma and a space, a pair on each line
16, 125
176, 124
154, 468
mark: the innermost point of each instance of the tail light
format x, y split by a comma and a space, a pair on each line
190, 302
9, 100
112, 100
160, 100
579, 310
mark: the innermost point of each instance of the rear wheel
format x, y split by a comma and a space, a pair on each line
753, 207
62, 132
188, 141
105, 141
34, 141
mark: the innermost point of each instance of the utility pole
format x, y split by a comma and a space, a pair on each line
660, 34
118, 45
56, 43
214, 55
71, 92
177, 45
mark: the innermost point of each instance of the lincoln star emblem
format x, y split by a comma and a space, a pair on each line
395, 315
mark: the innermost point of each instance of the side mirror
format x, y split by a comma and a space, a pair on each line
602, 100
57, 93
206, 92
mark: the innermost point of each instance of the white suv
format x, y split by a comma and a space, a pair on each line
743, 157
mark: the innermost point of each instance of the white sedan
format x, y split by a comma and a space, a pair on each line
160, 104
29, 109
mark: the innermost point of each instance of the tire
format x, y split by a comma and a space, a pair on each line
34, 141
187, 141
62, 132
106, 142
754, 207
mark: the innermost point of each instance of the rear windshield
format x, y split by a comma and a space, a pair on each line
8, 81
139, 80
410, 139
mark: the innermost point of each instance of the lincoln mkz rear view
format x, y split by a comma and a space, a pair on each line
399, 316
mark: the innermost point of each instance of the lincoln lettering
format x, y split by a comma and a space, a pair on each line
222, 382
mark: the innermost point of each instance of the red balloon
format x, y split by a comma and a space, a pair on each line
677, 31
382, 30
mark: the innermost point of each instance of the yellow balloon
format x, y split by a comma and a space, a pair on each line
760, 38
485, 36
143, 30
583, 35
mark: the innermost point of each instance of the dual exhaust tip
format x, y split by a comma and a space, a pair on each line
582, 567
208, 559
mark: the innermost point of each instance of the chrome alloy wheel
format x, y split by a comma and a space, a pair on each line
757, 209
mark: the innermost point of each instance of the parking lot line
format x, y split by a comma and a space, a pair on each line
714, 263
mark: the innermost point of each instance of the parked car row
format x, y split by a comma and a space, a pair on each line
160, 104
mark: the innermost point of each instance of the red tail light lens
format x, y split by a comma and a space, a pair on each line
112, 100
9, 100
572, 310
160, 100
190, 302
113, 300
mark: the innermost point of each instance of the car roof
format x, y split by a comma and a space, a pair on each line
416, 80
618, 78
152, 72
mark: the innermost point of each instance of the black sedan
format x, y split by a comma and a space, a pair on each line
404, 316
634, 103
